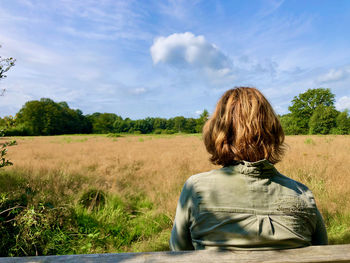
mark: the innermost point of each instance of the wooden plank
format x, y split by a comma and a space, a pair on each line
314, 254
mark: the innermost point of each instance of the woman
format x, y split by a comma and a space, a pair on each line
247, 204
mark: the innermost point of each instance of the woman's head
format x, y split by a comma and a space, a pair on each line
243, 127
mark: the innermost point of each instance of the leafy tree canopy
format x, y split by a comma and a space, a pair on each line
103, 122
342, 123
322, 119
304, 105
46, 117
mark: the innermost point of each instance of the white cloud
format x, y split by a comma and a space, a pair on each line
186, 49
334, 75
343, 103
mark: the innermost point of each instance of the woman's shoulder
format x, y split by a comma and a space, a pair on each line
197, 177
295, 188
291, 183
209, 175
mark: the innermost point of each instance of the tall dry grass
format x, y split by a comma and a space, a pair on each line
159, 165
155, 165
322, 163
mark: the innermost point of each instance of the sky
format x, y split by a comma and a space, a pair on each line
171, 58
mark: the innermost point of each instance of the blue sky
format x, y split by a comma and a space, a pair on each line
171, 58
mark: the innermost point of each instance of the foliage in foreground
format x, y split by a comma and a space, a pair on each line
5, 65
338, 227
3, 151
32, 224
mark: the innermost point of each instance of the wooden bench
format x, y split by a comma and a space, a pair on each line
335, 253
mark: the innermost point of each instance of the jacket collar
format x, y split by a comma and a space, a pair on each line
259, 168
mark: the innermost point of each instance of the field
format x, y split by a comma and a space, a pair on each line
93, 194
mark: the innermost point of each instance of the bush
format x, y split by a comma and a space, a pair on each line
97, 223
157, 131
114, 135
168, 132
93, 199
19, 130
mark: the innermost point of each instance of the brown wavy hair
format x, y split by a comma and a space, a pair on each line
243, 127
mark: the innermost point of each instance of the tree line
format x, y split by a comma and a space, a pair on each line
46, 117
311, 112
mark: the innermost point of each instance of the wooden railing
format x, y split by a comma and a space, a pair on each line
337, 253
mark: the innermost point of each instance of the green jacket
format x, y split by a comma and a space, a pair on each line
249, 205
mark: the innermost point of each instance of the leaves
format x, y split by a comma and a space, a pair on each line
46, 117
306, 113
3, 151
5, 65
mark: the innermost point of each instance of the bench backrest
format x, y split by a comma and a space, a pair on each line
315, 254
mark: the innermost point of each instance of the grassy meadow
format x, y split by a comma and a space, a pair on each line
93, 194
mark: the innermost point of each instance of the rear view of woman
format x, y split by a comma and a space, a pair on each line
247, 204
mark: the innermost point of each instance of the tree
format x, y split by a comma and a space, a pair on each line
159, 124
5, 65
322, 119
121, 125
144, 125
304, 105
170, 124
179, 123
103, 122
202, 120
289, 125
190, 125
343, 123
46, 117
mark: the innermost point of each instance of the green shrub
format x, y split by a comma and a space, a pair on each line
309, 141
93, 199
97, 223
19, 130
114, 135
168, 132
157, 131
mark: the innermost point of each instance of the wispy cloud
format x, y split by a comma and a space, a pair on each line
343, 103
106, 20
270, 7
28, 51
138, 91
178, 9
334, 75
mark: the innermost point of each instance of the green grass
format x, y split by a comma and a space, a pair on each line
34, 222
309, 141
338, 227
